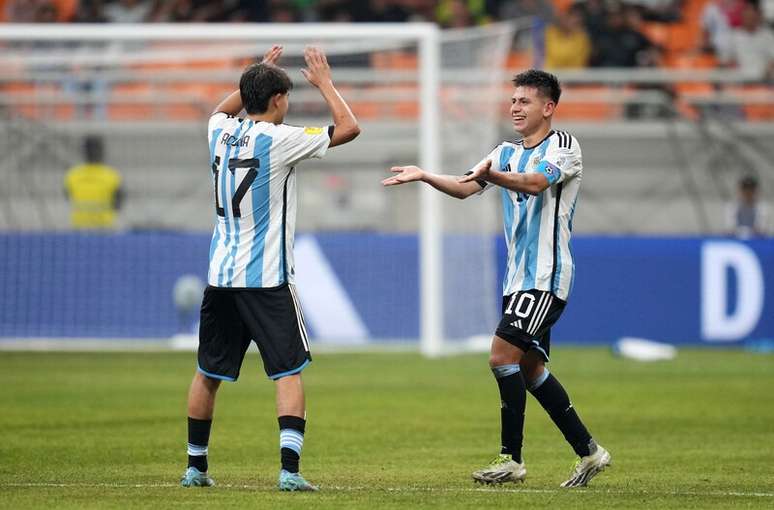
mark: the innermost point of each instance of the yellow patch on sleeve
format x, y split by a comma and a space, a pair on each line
313, 130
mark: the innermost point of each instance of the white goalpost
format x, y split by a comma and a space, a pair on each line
458, 77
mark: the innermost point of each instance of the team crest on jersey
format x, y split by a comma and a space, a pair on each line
313, 130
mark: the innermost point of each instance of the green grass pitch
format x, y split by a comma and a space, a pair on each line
107, 430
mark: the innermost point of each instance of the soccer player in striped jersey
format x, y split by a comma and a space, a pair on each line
251, 294
539, 177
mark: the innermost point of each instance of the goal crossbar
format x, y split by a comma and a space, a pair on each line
428, 40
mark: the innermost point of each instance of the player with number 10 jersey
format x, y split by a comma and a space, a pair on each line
539, 178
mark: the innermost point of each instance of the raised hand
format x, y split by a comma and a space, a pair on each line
403, 174
317, 71
272, 55
479, 173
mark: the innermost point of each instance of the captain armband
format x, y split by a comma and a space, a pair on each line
551, 171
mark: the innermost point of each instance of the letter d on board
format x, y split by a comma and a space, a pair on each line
717, 324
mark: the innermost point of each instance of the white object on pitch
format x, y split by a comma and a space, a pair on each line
641, 349
184, 342
187, 293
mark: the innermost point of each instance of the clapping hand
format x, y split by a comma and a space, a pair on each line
317, 70
402, 175
479, 173
273, 55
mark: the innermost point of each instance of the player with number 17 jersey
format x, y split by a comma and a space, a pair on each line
251, 296
254, 181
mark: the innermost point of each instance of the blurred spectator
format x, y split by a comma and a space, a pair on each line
733, 10
718, 18
658, 10
594, 13
277, 11
567, 43
90, 11
767, 8
282, 12
93, 189
386, 11
128, 11
254, 11
197, 11
375, 11
24, 11
748, 217
306, 10
229, 10
511, 9
461, 13
540, 12
752, 47
333, 11
621, 44
46, 13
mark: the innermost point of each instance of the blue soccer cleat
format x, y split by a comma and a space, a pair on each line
195, 478
294, 482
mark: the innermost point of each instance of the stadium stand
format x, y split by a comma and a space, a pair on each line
683, 104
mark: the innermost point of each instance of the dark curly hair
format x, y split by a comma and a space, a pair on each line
259, 82
545, 83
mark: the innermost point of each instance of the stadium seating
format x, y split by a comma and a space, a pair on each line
178, 96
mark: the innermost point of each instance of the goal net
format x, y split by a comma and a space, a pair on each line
374, 264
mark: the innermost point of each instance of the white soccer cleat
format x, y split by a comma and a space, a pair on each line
502, 469
293, 482
195, 478
588, 467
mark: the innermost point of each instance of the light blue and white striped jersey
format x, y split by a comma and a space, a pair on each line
538, 228
252, 165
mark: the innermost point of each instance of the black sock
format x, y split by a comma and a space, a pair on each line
198, 438
291, 441
513, 398
556, 402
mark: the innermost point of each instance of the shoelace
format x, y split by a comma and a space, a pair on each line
575, 468
500, 459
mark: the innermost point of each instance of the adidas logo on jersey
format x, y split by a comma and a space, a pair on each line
517, 324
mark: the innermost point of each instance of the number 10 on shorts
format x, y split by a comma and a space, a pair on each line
523, 307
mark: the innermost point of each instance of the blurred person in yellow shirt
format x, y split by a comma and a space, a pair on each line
93, 189
567, 44
462, 13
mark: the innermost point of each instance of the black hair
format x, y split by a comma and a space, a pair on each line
545, 83
748, 182
259, 82
93, 149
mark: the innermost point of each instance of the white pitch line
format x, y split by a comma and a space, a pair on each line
409, 489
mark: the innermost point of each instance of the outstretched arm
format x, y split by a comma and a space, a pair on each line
446, 183
531, 183
318, 73
232, 105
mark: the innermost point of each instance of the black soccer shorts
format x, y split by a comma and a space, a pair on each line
527, 319
232, 318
